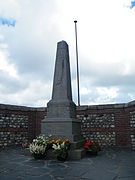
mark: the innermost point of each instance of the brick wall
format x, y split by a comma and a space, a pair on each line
132, 126
18, 123
110, 125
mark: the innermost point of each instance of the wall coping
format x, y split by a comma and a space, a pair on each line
21, 108
79, 108
106, 106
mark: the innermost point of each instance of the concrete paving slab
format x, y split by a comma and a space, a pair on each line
110, 164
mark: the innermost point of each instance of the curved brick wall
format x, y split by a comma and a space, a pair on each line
18, 123
110, 125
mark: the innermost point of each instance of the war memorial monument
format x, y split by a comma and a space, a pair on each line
61, 119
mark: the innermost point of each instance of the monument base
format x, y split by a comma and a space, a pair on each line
76, 154
67, 128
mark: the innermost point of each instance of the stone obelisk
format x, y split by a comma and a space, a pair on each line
61, 119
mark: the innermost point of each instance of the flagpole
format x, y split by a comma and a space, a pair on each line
78, 89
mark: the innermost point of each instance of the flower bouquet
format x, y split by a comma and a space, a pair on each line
25, 147
39, 146
61, 148
92, 147
25, 144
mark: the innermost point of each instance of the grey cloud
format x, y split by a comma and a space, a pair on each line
32, 43
32, 49
95, 98
105, 74
10, 85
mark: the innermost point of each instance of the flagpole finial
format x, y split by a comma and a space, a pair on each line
75, 21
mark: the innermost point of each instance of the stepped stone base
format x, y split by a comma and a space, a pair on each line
76, 154
62, 129
76, 151
77, 144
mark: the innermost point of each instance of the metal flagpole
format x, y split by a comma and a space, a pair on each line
77, 63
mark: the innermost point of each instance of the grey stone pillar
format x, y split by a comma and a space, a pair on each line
61, 119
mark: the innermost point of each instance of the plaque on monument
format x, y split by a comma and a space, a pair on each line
61, 119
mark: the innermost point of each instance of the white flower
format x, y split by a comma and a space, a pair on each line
58, 147
54, 146
63, 144
38, 146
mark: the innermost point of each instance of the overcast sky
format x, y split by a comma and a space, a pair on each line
30, 30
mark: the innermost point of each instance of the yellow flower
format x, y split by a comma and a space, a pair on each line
52, 141
58, 140
66, 140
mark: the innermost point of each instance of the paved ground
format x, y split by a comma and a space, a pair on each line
108, 165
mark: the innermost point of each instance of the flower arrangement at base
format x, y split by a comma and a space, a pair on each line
92, 147
25, 144
61, 148
39, 146
25, 147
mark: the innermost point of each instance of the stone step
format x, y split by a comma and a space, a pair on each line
76, 154
77, 144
